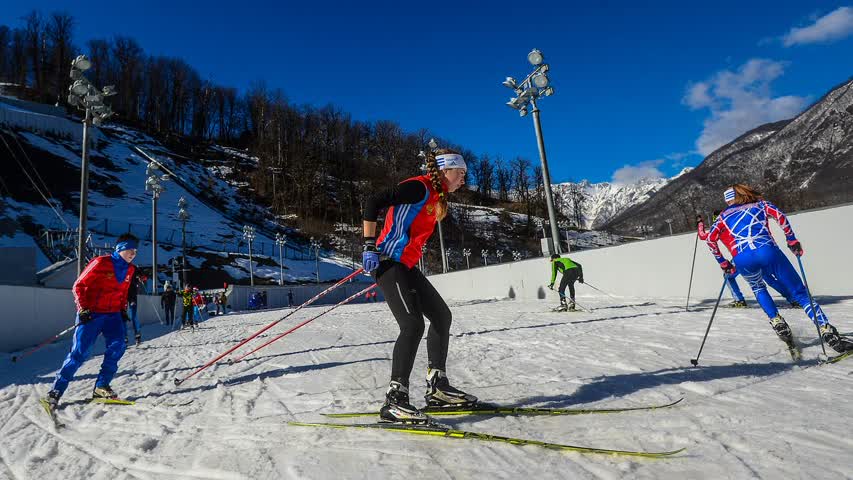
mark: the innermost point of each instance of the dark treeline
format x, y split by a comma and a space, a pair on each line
325, 162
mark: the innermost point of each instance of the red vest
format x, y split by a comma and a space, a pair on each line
98, 290
408, 226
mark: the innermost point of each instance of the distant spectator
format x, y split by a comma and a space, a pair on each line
167, 302
290, 298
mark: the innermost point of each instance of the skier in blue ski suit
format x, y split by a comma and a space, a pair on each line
101, 297
744, 229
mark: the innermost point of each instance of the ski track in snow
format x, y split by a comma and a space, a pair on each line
749, 412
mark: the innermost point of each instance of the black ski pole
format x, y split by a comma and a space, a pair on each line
609, 295
811, 303
692, 266
695, 361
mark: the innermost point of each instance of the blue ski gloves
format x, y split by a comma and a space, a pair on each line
370, 256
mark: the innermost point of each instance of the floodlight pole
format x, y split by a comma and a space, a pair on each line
546, 177
84, 195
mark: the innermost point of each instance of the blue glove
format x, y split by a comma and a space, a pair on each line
370, 256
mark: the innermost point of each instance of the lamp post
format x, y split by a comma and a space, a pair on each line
275, 171
466, 252
183, 216
315, 245
280, 240
485, 254
86, 97
534, 86
249, 235
152, 184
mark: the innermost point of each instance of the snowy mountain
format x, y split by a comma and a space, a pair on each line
605, 200
806, 162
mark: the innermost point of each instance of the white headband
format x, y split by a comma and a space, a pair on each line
729, 195
447, 161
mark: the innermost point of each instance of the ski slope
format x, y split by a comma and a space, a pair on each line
748, 411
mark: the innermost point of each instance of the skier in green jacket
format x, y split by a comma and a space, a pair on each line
572, 272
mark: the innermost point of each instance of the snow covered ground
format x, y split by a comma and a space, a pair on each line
748, 411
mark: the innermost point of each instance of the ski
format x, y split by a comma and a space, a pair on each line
112, 401
439, 431
794, 350
51, 413
839, 357
488, 409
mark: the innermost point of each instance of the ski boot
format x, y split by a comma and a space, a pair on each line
397, 407
563, 305
784, 332
781, 328
138, 338
104, 393
52, 399
571, 307
795, 304
738, 304
832, 338
441, 394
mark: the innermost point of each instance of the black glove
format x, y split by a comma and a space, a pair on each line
580, 280
84, 316
125, 316
551, 286
699, 219
796, 247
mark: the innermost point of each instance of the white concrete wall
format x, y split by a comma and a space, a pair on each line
661, 267
31, 315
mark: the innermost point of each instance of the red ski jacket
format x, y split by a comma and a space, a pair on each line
97, 288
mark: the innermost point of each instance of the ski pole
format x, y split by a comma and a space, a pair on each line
306, 322
692, 266
42, 344
695, 361
609, 295
243, 342
811, 303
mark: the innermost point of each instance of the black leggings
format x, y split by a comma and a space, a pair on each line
570, 276
411, 297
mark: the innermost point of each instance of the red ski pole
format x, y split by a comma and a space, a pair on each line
42, 344
243, 342
306, 322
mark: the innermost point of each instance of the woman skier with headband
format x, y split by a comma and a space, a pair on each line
414, 207
743, 228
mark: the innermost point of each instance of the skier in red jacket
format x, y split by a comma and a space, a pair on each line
414, 207
101, 297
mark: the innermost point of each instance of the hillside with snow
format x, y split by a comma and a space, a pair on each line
43, 183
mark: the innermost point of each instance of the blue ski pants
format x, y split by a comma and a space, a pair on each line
114, 331
756, 265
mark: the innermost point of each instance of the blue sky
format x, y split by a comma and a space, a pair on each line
639, 90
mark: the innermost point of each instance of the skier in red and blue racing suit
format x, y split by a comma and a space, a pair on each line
101, 297
743, 227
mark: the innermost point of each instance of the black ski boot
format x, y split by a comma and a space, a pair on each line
572, 305
795, 304
738, 304
838, 343
563, 305
52, 399
441, 394
104, 393
782, 329
397, 407
138, 338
